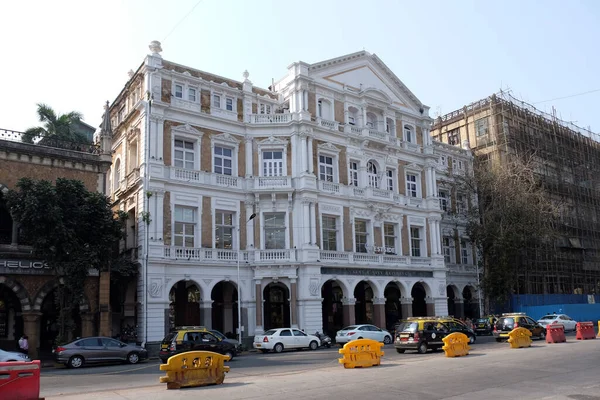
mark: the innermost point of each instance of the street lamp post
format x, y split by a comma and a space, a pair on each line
239, 282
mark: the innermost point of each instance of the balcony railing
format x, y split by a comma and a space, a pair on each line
327, 124
50, 141
378, 135
227, 255
270, 118
328, 256
207, 178
329, 187
133, 177
272, 182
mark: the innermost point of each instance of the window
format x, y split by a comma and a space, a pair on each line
411, 185
320, 108
464, 252
329, 228
389, 238
481, 127
351, 121
272, 163
443, 161
265, 109
353, 173
192, 94
390, 179
223, 160
454, 137
274, 231
117, 180
229, 104
444, 198
415, 241
179, 91
360, 236
183, 154
447, 249
372, 174
185, 226
216, 101
223, 230
326, 168
121, 115
408, 134
371, 120
285, 333
461, 203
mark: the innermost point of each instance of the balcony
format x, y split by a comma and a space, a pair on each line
353, 129
333, 125
375, 134
329, 187
411, 147
228, 256
461, 268
133, 177
206, 178
272, 182
342, 257
268, 119
184, 104
219, 112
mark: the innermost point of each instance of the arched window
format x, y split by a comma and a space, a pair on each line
324, 109
117, 179
371, 120
409, 134
352, 115
372, 174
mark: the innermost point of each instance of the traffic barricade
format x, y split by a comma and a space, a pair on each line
555, 333
456, 345
519, 337
361, 353
194, 368
599, 329
585, 330
20, 380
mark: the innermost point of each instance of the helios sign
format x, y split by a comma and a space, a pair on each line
26, 267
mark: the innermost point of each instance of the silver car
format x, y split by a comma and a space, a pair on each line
6, 356
98, 349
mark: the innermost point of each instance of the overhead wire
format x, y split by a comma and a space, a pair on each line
182, 19
568, 97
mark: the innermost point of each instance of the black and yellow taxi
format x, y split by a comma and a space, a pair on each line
509, 321
194, 338
424, 333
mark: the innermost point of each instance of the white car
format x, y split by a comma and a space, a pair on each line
353, 332
6, 356
285, 338
563, 319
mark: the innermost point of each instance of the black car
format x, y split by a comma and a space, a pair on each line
482, 326
423, 333
194, 339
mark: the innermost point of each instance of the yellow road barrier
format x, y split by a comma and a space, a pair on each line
361, 353
598, 329
194, 368
519, 337
456, 345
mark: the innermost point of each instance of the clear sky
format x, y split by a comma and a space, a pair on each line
74, 55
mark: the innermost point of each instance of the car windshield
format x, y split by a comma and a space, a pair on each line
407, 326
349, 328
270, 332
170, 337
548, 317
219, 335
481, 320
506, 321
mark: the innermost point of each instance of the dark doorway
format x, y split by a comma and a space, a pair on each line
451, 302
50, 323
185, 304
333, 309
419, 305
6, 223
277, 306
11, 321
225, 308
471, 308
363, 308
393, 307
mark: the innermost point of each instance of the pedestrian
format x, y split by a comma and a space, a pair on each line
24, 344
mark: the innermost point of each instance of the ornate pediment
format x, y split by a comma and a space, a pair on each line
226, 138
328, 147
187, 128
273, 141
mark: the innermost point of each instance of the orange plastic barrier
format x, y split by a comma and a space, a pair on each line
20, 380
585, 330
555, 333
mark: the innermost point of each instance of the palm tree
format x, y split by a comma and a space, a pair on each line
59, 128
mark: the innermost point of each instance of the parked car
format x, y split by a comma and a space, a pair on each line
98, 349
365, 331
191, 338
221, 336
568, 322
424, 333
285, 338
509, 321
6, 356
482, 326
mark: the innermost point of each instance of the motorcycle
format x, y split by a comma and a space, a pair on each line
325, 340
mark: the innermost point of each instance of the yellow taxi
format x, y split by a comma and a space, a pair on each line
424, 333
194, 338
509, 321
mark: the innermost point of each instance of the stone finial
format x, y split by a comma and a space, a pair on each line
155, 47
130, 73
246, 74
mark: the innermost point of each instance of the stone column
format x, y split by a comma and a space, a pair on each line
229, 325
459, 308
105, 328
430, 307
249, 226
303, 155
206, 313
87, 325
313, 224
406, 304
15, 233
259, 306
31, 328
311, 164
349, 312
249, 158
294, 303
379, 312
306, 219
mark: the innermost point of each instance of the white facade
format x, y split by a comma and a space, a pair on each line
338, 166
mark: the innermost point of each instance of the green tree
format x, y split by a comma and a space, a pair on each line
56, 127
72, 229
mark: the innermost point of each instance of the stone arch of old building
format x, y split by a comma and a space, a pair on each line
18, 290
276, 306
454, 301
420, 292
185, 298
333, 292
84, 306
224, 310
393, 293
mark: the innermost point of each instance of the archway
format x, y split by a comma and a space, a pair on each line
452, 309
276, 306
50, 324
224, 308
470, 302
419, 306
184, 306
11, 321
332, 307
363, 308
393, 307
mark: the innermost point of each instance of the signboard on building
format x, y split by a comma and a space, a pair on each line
24, 267
375, 272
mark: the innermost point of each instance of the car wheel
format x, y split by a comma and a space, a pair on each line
359, 338
498, 340
75, 362
264, 351
401, 351
313, 345
387, 340
230, 354
472, 339
422, 348
542, 335
133, 358
278, 348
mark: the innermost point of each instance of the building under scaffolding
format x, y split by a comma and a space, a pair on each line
567, 159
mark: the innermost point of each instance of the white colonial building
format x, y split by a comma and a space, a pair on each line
322, 190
